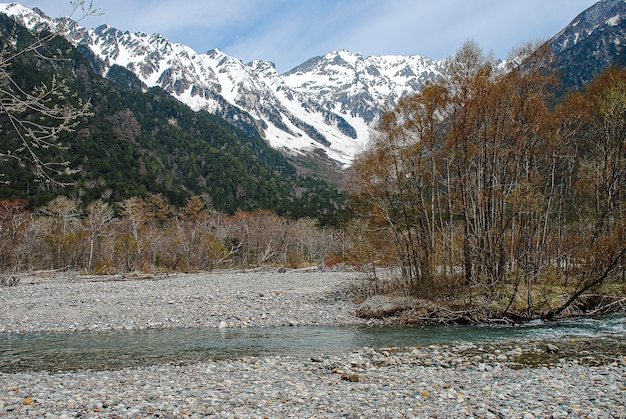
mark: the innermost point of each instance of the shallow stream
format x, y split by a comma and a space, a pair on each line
118, 349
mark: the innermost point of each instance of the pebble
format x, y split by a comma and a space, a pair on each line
422, 382
231, 299
280, 386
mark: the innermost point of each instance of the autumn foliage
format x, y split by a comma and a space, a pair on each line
493, 195
149, 235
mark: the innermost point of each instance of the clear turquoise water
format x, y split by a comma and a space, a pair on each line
117, 349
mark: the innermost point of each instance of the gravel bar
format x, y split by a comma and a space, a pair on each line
71, 302
465, 381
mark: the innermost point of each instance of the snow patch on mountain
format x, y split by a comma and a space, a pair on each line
326, 105
597, 17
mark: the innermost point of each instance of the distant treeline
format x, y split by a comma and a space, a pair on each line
149, 235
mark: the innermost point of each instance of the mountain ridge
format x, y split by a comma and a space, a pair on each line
139, 142
293, 111
323, 107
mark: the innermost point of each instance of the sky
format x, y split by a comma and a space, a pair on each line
289, 32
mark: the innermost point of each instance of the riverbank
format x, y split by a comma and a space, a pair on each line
265, 298
559, 379
430, 382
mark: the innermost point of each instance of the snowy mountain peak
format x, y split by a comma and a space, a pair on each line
591, 43
13, 9
323, 106
343, 56
33, 19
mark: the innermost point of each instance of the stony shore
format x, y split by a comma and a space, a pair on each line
71, 302
504, 380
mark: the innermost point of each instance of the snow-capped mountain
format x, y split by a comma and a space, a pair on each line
591, 43
323, 106
605, 13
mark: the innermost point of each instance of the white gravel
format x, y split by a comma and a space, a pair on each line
426, 382
68, 302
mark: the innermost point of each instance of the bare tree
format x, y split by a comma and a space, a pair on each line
63, 232
457, 173
38, 115
16, 225
130, 244
100, 222
601, 187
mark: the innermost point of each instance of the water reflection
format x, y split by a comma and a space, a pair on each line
117, 349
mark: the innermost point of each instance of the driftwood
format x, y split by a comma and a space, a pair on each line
618, 305
9, 282
445, 316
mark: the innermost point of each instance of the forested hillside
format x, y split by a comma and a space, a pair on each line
138, 142
593, 42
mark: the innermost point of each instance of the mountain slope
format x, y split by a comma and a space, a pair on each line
319, 112
142, 141
591, 43
293, 112
320, 108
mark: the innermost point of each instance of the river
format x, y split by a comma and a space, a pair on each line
118, 349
